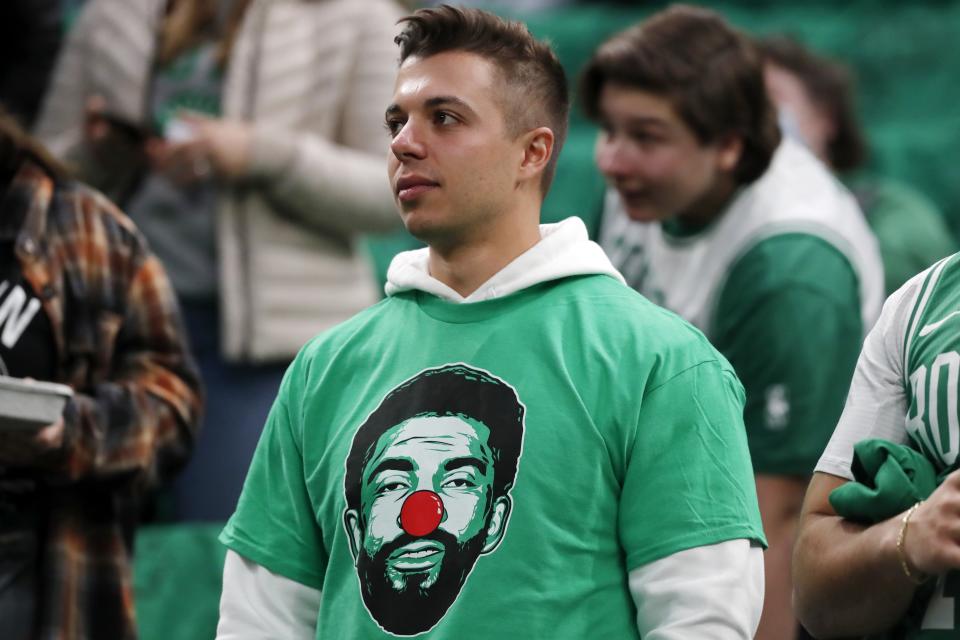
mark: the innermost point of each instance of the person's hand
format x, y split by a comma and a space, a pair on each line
184, 163
111, 138
226, 142
217, 146
932, 541
24, 448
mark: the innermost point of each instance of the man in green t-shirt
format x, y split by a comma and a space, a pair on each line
743, 234
513, 443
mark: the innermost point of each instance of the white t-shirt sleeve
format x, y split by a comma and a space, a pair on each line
876, 403
257, 604
714, 591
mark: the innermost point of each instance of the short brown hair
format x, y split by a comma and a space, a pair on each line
710, 72
830, 86
536, 93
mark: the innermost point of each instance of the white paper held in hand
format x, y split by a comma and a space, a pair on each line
31, 404
178, 130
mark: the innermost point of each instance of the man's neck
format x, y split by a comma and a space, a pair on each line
711, 206
467, 265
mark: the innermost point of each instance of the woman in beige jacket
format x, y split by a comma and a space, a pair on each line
246, 138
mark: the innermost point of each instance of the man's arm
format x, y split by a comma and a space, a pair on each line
714, 591
136, 409
789, 322
257, 604
847, 577
698, 572
339, 184
143, 417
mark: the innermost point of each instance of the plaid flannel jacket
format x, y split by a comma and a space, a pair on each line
136, 409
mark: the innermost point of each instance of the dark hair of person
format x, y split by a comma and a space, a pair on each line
830, 86
711, 73
451, 390
17, 145
535, 92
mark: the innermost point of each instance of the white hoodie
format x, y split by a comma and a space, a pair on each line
714, 591
564, 250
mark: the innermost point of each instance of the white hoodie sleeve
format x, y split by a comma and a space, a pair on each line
257, 604
714, 591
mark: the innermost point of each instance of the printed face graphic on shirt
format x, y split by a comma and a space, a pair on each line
427, 488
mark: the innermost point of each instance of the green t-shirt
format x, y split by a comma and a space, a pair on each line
788, 320
480, 470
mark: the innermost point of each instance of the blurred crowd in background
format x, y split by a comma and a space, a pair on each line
244, 138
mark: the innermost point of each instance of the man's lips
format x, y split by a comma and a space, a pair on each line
416, 556
412, 187
632, 194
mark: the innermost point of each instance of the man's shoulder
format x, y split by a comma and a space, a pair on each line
771, 265
634, 325
635, 312
80, 216
799, 191
82, 205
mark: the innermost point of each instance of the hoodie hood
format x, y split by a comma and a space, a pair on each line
564, 250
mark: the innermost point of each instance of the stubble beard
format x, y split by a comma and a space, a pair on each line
415, 602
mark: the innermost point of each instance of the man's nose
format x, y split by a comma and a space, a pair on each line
407, 143
611, 157
421, 513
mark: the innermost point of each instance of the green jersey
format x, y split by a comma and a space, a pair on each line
905, 389
485, 469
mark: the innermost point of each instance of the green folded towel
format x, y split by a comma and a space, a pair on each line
888, 478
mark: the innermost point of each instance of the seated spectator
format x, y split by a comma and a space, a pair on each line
745, 235
84, 303
245, 139
814, 96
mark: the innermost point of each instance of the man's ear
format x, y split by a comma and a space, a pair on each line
497, 523
351, 522
537, 150
729, 152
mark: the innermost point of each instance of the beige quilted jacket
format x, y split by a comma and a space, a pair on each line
314, 78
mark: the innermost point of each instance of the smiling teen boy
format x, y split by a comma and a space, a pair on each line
513, 442
746, 236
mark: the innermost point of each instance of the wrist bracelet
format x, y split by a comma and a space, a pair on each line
915, 577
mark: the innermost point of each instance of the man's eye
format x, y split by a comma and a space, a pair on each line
459, 483
390, 487
443, 118
393, 127
643, 137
